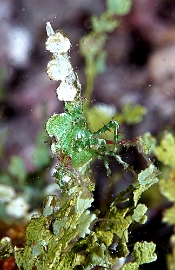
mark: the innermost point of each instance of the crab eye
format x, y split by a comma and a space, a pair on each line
54, 139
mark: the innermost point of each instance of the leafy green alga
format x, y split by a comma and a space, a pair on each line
165, 152
143, 252
6, 249
119, 7
169, 215
62, 237
131, 114
92, 45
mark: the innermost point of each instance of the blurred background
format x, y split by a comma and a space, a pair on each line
140, 69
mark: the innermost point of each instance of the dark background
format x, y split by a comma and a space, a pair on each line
140, 70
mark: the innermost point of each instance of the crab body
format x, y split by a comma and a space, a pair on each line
73, 140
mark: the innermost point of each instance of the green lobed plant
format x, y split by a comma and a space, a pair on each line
68, 234
165, 153
92, 45
17, 186
92, 48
